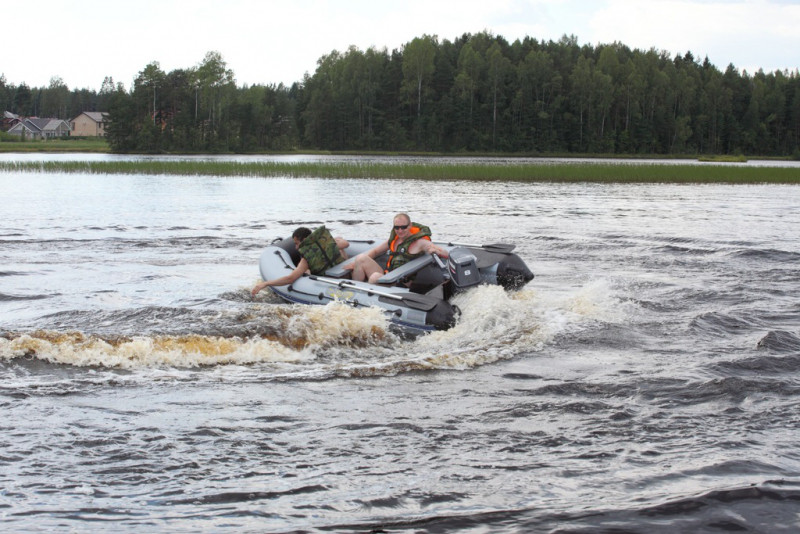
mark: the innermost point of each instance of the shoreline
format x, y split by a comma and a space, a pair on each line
94, 146
573, 171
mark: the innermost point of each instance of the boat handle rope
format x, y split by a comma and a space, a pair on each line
321, 296
285, 263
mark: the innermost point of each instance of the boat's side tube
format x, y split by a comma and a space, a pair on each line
512, 273
438, 313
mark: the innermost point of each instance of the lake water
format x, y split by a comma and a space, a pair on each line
647, 380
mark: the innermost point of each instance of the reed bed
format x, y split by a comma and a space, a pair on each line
633, 172
723, 159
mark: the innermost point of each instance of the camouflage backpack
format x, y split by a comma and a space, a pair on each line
320, 251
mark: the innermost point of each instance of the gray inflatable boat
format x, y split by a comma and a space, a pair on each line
416, 296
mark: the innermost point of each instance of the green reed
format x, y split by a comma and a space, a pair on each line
724, 158
627, 172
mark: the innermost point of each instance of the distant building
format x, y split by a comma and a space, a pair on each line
35, 128
9, 120
89, 124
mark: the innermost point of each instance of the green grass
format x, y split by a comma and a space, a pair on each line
523, 172
54, 145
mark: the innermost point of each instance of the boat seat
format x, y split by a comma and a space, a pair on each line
339, 271
392, 277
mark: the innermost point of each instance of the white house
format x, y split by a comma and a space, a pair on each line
35, 128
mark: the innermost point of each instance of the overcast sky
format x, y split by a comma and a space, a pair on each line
265, 41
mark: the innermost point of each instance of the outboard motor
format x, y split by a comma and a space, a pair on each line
463, 267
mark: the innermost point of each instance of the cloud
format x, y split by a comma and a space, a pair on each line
271, 42
752, 33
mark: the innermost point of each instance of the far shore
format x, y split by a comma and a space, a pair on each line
92, 145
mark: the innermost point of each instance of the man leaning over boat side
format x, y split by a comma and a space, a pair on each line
406, 241
313, 259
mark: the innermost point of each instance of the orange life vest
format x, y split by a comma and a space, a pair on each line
398, 250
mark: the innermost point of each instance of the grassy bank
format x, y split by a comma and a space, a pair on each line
536, 172
56, 145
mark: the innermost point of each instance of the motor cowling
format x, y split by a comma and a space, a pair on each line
463, 267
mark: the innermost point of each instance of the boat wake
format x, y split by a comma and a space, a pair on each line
317, 342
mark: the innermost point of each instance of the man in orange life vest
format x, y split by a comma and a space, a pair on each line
406, 242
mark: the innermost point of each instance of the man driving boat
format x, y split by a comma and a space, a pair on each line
406, 242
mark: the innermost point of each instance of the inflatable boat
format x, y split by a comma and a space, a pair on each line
416, 296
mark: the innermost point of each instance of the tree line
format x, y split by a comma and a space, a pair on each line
56, 100
476, 93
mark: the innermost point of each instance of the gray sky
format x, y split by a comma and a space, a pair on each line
265, 41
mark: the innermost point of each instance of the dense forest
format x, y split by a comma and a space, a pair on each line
477, 93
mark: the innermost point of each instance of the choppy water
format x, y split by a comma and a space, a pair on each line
646, 381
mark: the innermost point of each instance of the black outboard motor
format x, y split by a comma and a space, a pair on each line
463, 267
